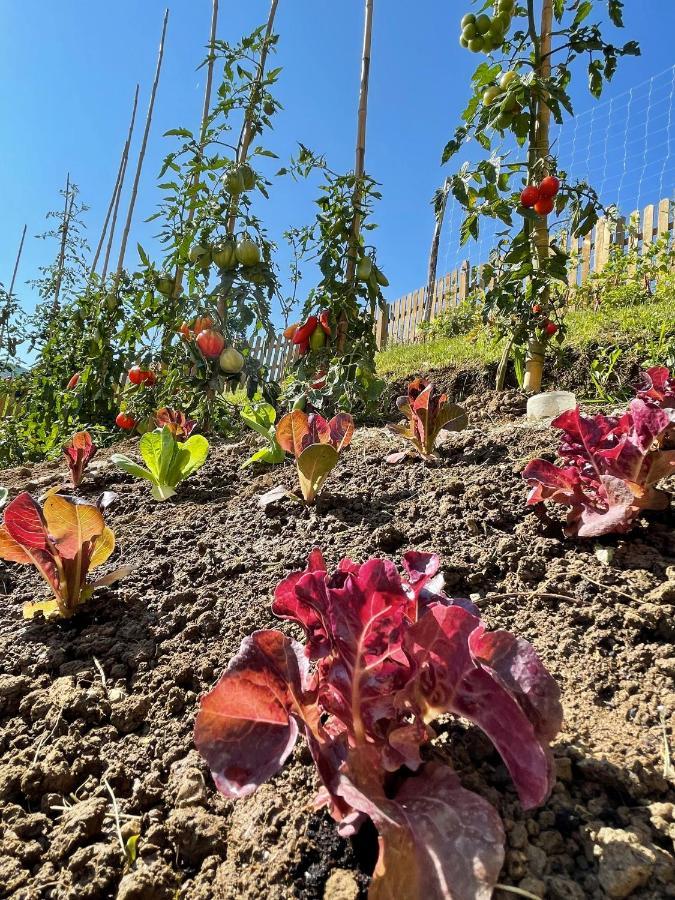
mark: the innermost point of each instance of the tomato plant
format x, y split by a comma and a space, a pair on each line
328, 376
524, 83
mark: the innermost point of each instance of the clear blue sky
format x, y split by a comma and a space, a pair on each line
68, 71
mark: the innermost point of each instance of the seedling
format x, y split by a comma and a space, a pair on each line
389, 656
316, 445
79, 451
168, 460
64, 541
177, 422
427, 413
261, 418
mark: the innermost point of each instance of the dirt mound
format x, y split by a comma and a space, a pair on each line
97, 713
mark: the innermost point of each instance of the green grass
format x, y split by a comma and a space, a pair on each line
634, 325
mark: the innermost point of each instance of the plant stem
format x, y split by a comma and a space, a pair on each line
67, 209
141, 156
433, 254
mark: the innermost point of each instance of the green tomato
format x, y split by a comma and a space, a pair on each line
248, 253
364, 268
490, 95
382, 279
225, 256
469, 32
234, 182
503, 121
507, 79
199, 254
509, 105
268, 107
506, 5
476, 45
468, 19
463, 41
247, 176
317, 339
231, 361
483, 24
165, 285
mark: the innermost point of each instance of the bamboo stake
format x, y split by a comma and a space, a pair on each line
178, 280
440, 206
360, 162
17, 261
141, 155
246, 134
62, 250
4, 320
539, 152
117, 190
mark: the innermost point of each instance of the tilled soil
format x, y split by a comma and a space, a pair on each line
97, 712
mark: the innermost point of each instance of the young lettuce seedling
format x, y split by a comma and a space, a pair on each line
427, 413
79, 451
261, 418
383, 658
177, 422
64, 541
168, 460
316, 445
616, 462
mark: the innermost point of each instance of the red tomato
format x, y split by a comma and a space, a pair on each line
202, 323
324, 322
135, 375
303, 347
549, 187
536, 309
73, 381
184, 331
529, 196
544, 206
210, 343
304, 332
125, 421
289, 332
148, 378
550, 328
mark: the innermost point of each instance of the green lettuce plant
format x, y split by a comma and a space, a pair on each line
168, 460
261, 417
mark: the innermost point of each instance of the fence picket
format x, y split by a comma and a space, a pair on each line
648, 225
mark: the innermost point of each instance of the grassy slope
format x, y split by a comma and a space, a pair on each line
622, 326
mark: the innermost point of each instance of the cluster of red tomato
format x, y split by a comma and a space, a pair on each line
310, 335
210, 342
540, 197
139, 378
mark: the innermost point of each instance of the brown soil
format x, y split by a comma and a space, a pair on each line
102, 706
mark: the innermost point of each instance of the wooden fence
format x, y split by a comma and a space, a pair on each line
399, 324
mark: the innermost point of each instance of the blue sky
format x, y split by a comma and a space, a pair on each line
68, 71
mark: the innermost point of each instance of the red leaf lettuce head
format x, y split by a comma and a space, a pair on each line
177, 422
384, 656
79, 451
615, 463
658, 386
427, 412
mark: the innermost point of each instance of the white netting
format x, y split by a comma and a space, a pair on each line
624, 147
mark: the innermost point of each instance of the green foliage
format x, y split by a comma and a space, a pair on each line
349, 289
261, 417
168, 460
464, 318
512, 93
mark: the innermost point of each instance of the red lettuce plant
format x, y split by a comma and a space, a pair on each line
657, 386
79, 451
383, 658
316, 445
64, 541
427, 413
177, 422
615, 463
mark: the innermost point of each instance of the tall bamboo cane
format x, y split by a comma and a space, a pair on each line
247, 132
440, 204
141, 155
539, 152
67, 210
178, 280
4, 322
117, 190
359, 164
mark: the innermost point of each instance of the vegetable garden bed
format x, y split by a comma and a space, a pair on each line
98, 711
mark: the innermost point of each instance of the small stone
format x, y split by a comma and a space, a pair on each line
563, 768
626, 861
148, 882
664, 593
129, 714
536, 859
341, 885
79, 823
197, 834
518, 836
560, 888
